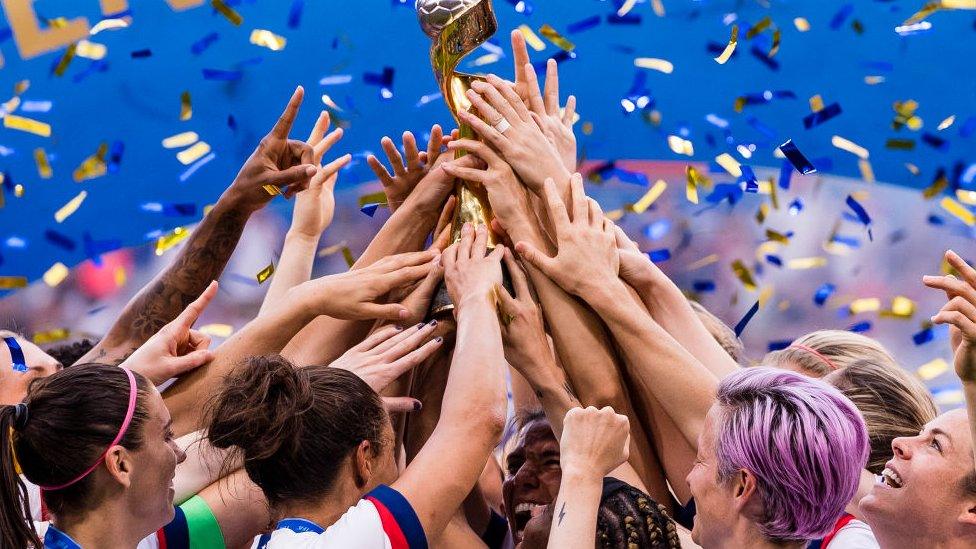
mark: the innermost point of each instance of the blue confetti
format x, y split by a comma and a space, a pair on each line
741, 325
816, 118
860, 327
862, 214
703, 286
60, 240
140, 54
774, 260
658, 229
369, 209
796, 206
842, 14
935, 142
823, 293
796, 158
223, 75
583, 25
295, 14
202, 44
662, 254
779, 345
785, 174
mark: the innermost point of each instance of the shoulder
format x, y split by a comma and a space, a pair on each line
854, 535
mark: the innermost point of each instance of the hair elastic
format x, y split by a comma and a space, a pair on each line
21, 414
130, 411
815, 353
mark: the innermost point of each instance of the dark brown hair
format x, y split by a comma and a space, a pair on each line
69, 419
69, 353
293, 427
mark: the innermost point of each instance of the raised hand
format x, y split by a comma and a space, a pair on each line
509, 201
280, 162
959, 313
522, 144
594, 442
390, 352
176, 348
315, 206
353, 295
468, 273
417, 301
523, 331
586, 256
405, 177
556, 123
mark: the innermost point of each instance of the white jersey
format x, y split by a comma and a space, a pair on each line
854, 535
383, 519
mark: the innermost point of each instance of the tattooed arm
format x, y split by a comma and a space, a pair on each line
277, 161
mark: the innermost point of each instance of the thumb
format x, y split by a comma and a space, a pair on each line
537, 259
294, 174
190, 361
401, 404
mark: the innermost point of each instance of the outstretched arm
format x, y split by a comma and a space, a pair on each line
473, 409
586, 264
277, 162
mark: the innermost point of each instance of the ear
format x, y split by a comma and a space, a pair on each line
362, 466
119, 463
744, 497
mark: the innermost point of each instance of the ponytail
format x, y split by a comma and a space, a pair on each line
293, 427
16, 524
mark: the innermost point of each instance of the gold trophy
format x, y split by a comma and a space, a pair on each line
457, 28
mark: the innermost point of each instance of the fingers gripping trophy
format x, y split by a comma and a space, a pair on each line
457, 27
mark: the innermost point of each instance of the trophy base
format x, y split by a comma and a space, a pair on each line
442, 305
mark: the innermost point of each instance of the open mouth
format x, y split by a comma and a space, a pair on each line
524, 513
891, 478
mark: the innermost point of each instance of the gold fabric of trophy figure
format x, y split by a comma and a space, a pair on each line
457, 28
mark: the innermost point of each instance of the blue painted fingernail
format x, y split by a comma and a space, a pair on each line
421, 325
398, 327
417, 406
439, 339
433, 323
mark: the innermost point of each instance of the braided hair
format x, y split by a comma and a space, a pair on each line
629, 519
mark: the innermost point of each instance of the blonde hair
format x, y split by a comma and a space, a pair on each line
818, 353
724, 335
892, 402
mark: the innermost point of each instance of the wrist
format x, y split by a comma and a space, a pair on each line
580, 475
307, 297
603, 292
234, 199
300, 237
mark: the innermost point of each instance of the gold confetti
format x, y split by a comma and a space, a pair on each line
936, 187
873, 80
912, 168
217, 330
849, 146
681, 146
658, 8
654, 63
932, 369
93, 166
329, 250
806, 263
966, 197
184, 139
266, 273
43, 166
120, 276
703, 262
614, 215
347, 255
171, 239
773, 197
12, 104
11, 282
50, 336
194, 153
228, 12
62, 65
947, 122
691, 189
29, 125
186, 108
762, 25
902, 307
18, 190
816, 103
949, 398
271, 190
761, 213
56, 274
71, 207
729, 164
730, 47
90, 50
531, 38
109, 24
744, 275
626, 7
650, 197
553, 36
958, 210
777, 236
486, 59
865, 305
867, 173
801, 24
379, 197
268, 39
777, 36
765, 294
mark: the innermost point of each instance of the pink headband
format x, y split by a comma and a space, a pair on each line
814, 352
129, 412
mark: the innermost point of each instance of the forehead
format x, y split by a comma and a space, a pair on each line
535, 432
158, 412
956, 425
33, 355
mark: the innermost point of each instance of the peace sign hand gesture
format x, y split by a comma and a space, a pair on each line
283, 163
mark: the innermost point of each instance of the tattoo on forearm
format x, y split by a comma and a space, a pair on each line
562, 513
203, 259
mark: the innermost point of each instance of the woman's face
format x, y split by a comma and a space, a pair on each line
151, 490
532, 475
715, 515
